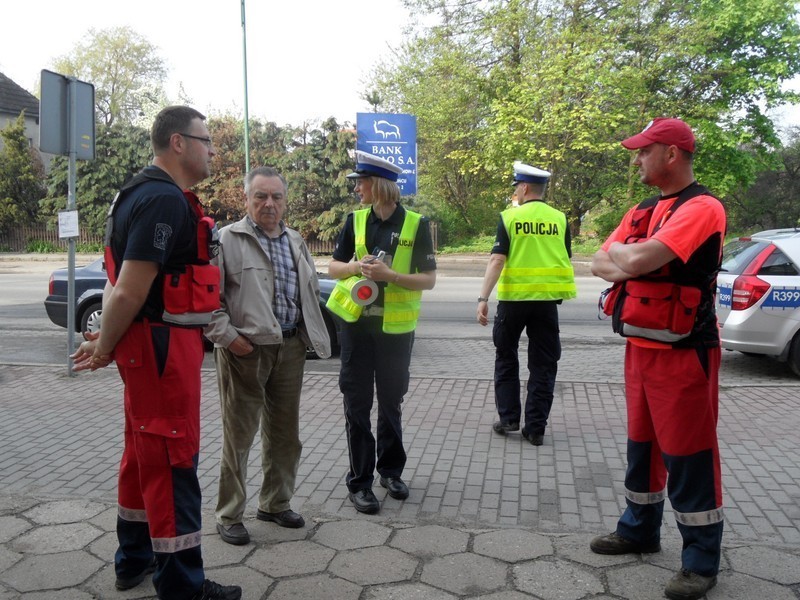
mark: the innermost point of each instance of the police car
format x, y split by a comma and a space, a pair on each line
758, 295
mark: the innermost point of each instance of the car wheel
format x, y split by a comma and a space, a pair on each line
90, 318
794, 355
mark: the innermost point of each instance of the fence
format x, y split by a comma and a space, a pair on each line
23, 237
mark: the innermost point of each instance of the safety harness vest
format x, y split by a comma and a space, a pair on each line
536, 233
683, 290
189, 293
401, 306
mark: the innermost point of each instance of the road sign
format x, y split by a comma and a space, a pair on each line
394, 138
61, 95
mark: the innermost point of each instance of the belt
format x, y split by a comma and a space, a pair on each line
289, 333
372, 311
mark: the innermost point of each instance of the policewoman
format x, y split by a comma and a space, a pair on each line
390, 246
530, 264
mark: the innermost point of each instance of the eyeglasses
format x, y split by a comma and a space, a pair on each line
206, 140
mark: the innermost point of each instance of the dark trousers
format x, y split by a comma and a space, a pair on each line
373, 361
539, 319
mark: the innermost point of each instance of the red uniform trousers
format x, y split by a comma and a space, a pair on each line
159, 494
673, 402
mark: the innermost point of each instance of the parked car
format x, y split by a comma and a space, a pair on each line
91, 279
89, 283
758, 295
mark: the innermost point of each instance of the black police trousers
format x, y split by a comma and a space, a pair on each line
373, 361
539, 319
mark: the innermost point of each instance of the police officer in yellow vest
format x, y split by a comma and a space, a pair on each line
376, 339
530, 263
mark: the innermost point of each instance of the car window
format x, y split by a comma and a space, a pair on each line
736, 255
777, 263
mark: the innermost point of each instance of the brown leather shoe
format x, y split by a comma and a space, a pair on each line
686, 585
285, 518
616, 544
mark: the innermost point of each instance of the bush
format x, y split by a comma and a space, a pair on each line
89, 247
42, 247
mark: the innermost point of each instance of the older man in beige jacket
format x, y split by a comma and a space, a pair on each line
270, 313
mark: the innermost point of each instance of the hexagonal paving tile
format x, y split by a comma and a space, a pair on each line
51, 571
315, 587
291, 558
465, 573
8, 558
56, 538
735, 586
64, 511
217, 553
370, 566
348, 535
766, 563
556, 580
512, 545
638, 581
11, 527
430, 540
411, 591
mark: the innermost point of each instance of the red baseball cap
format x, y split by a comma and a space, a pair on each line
672, 132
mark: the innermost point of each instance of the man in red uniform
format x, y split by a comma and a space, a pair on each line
152, 250
671, 379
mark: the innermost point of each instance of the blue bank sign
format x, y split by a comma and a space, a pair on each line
393, 137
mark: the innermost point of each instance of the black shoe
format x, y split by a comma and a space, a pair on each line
285, 518
686, 585
537, 439
235, 534
396, 486
365, 501
504, 428
215, 591
131, 582
616, 544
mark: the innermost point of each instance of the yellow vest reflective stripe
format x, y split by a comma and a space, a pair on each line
536, 233
401, 306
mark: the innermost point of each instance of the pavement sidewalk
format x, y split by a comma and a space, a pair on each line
488, 516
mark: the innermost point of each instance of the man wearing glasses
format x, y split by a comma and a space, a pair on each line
530, 263
158, 243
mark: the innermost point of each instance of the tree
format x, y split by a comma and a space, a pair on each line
21, 177
120, 152
125, 69
558, 83
771, 202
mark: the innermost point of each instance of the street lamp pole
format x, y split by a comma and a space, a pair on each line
246, 112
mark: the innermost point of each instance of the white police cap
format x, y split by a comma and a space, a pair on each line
529, 174
369, 165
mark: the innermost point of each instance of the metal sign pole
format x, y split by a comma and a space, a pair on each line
71, 204
246, 114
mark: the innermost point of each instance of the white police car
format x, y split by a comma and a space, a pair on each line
758, 295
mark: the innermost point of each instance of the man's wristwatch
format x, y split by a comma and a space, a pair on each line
482, 299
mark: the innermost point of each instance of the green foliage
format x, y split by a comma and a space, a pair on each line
21, 177
89, 247
42, 247
121, 151
125, 69
480, 244
558, 84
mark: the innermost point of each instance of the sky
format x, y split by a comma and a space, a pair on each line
307, 59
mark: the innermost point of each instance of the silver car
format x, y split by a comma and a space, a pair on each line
758, 295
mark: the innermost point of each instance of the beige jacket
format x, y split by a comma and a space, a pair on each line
247, 286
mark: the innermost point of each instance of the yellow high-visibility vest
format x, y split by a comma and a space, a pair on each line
537, 266
401, 306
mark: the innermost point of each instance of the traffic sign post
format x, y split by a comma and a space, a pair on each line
67, 126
